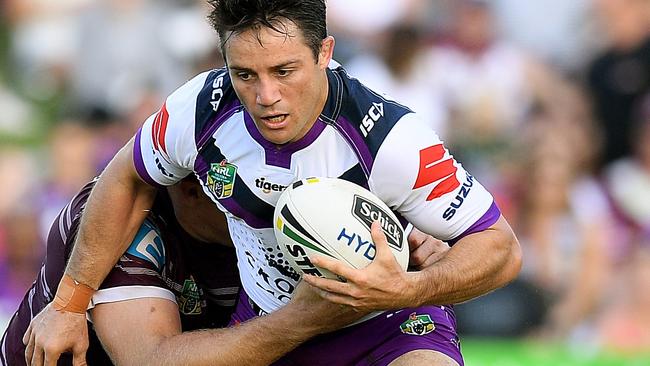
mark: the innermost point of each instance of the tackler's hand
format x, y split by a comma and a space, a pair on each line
53, 332
425, 249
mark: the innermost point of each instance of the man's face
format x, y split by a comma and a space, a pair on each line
278, 80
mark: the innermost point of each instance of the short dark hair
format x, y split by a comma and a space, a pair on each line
237, 16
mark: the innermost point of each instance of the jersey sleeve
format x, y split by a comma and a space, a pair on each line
416, 176
165, 146
138, 273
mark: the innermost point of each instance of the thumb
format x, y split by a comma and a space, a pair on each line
380, 241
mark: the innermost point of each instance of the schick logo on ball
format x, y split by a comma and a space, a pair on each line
367, 212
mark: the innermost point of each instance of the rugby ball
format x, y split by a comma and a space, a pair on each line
332, 217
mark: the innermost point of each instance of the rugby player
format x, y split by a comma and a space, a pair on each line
282, 111
178, 274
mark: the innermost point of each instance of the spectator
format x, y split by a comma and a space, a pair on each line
628, 180
491, 89
566, 225
71, 157
621, 74
401, 66
625, 325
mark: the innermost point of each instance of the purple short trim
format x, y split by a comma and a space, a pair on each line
376, 342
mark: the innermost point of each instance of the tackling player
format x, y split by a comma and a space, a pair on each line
175, 276
278, 111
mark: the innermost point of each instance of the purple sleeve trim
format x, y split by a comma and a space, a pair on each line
138, 162
488, 219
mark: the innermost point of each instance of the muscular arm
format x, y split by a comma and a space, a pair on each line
159, 341
115, 210
475, 265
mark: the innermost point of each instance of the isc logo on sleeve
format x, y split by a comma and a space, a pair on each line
375, 112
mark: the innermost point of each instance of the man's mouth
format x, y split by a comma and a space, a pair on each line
275, 121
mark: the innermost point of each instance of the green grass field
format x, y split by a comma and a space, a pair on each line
490, 352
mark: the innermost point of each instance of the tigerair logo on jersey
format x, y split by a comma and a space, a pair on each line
189, 301
221, 179
367, 212
268, 187
375, 112
418, 325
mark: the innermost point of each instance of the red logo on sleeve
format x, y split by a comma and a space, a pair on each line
159, 129
434, 169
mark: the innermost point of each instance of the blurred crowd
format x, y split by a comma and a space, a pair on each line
547, 103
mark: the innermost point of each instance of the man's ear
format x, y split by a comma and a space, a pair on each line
326, 52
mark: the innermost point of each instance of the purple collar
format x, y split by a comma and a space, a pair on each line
280, 155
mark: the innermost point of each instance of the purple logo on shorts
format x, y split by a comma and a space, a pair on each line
418, 325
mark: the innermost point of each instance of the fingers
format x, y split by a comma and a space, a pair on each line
335, 266
428, 252
29, 350
325, 284
416, 238
420, 254
79, 352
36, 357
28, 334
51, 358
79, 358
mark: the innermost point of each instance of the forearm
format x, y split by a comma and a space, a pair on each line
475, 265
260, 341
115, 209
257, 342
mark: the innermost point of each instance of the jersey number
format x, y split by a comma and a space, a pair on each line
433, 169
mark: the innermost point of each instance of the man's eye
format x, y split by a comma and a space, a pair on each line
244, 76
283, 72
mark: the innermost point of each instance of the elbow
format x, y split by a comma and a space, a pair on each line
513, 261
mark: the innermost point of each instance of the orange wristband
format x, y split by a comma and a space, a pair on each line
72, 296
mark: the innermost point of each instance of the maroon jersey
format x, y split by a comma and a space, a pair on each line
162, 261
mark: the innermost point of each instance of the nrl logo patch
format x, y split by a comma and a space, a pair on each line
221, 179
189, 302
418, 325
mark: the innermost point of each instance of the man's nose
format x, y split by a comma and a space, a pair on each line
268, 92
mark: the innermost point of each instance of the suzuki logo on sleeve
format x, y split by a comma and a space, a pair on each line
159, 130
434, 169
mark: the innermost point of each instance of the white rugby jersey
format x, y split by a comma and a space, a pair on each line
360, 136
